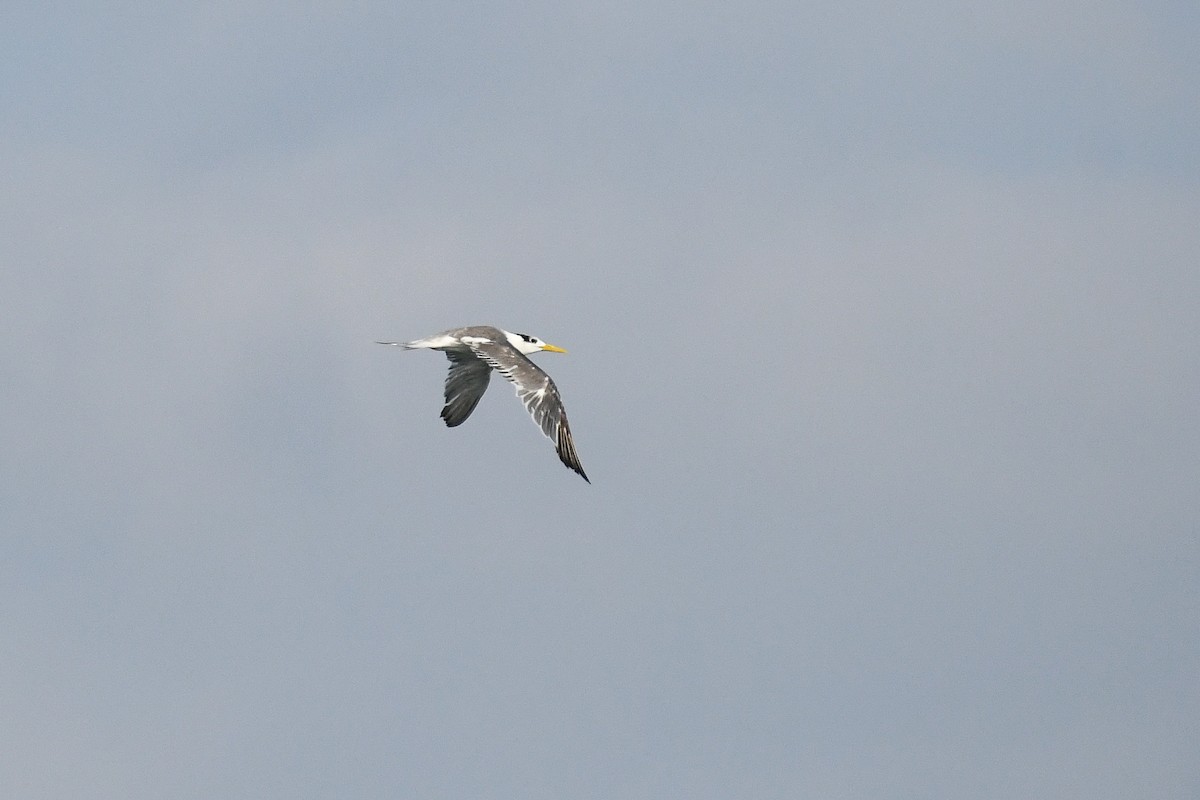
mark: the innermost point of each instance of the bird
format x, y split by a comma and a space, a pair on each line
474, 352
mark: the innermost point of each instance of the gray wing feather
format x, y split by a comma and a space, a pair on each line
465, 384
539, 394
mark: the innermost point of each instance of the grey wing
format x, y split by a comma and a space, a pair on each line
544, 404
540, 396
466, 383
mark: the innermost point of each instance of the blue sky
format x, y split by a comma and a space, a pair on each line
882, 329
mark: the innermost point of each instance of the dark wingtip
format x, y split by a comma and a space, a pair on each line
566, 450
575, 465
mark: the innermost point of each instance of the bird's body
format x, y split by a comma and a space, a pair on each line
477, 350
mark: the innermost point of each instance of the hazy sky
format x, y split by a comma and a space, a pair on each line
883, 325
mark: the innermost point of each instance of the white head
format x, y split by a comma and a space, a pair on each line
530, 344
